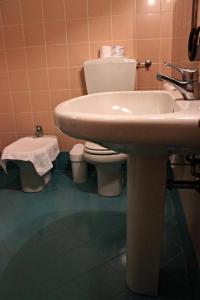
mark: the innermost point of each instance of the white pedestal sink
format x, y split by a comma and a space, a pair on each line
149, 125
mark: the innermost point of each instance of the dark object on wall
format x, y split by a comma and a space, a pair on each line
194, 42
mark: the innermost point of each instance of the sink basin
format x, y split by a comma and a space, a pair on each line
139, 122
149, 125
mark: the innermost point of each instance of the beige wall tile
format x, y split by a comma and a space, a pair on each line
78, 53
38, 79
148, 49
148, 26
34, 35
21, 102
57, 56
7, 123
122, 27
5, 103
10, 12
146, 6
2, 44
166, 24
100, 29
13, 36
36, 57
147, 79
16, 59
3, 61
24, 122
167, 5
53, 10
55, 33
99, 8
166, 50
59, 79
77, 31
77, 80
76, 9
18, 81
31, 11
4, 83
40, 101
123, 7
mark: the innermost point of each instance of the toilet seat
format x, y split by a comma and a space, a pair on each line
96, 149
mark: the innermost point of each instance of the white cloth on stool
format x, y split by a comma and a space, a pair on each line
41, 152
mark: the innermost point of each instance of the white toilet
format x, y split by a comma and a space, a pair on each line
34, 157
107, 75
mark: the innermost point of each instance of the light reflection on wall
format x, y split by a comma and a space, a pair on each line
151, 2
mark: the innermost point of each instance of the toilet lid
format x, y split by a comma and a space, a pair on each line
96, 149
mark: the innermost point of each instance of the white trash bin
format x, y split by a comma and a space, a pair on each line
79, 165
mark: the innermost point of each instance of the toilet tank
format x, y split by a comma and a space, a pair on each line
110, 74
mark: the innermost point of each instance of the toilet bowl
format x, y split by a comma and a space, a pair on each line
108, 165
34, 157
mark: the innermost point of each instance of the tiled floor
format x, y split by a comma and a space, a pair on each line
67, 242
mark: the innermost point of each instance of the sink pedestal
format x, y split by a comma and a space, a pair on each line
145, 216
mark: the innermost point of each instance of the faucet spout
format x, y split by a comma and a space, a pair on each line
190, 89
38, 131
184, 87
189, 86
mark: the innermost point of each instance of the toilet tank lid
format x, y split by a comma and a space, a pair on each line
109, 60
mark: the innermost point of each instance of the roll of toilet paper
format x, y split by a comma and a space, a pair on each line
105, 51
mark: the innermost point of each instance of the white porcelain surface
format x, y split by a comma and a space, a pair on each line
148, 125
140, 122
110, 74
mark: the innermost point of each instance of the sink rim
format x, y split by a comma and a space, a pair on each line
176, 130
60, 108
185, 110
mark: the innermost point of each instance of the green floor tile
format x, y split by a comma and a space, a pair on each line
67, 242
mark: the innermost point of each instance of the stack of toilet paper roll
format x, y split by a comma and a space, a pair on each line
112, 51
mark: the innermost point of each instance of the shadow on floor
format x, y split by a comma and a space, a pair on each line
82, 256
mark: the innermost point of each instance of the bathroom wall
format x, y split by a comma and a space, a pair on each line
182, 16
43, 44
190, 198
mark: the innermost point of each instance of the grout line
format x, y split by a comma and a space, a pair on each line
46, 60
111, 22
61, 20
84, 43
36, 91
88, 28
9, 83
26, 59
67, 48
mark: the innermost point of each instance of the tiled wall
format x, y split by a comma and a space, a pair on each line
190, 198
43, 44
182, 16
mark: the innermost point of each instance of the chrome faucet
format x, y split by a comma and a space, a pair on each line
38, 131
189, 86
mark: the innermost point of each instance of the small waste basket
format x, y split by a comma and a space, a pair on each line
79, 165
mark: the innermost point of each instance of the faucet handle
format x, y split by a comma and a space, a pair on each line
186, 73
